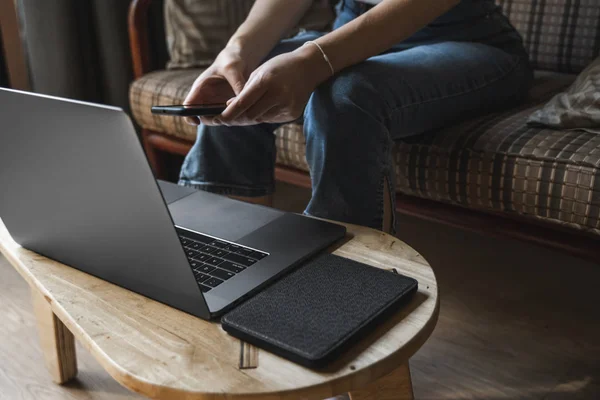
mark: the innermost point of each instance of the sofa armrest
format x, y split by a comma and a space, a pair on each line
138, 37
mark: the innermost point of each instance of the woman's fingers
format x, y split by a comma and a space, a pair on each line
208, 121
189, 99
196, 91
235, 78
265, 104
279, 115
246, 99
208, 90
192, 121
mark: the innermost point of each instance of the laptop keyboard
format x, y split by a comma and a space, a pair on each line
214, 261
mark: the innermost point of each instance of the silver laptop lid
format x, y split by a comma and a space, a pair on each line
76, 187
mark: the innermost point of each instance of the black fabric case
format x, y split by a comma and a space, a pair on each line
313, 314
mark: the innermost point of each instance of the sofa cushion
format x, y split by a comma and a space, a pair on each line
197, 30
162, 88
576, 108
495, 163
499, 163
560, 35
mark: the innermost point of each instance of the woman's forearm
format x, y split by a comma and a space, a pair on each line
379, 29
266, 24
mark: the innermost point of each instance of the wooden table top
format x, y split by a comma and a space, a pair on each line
161, 352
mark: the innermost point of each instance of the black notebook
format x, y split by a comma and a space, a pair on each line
315, 313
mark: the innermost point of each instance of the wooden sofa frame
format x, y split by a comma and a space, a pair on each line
159, 147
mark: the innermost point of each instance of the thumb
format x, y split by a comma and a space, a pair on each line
236, 80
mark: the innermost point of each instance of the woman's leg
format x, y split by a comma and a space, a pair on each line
237, 161
352, 119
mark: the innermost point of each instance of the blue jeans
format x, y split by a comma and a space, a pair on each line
466, 63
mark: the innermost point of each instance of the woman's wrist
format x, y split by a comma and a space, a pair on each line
237, 47
315, 63
237, 42
243, 48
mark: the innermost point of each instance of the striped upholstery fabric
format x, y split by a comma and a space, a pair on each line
197, 30
578, 107
495, 163
560, 35
499, 163
162, 87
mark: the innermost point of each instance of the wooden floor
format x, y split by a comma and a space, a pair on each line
517, 322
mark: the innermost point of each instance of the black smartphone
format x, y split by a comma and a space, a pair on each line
199, 110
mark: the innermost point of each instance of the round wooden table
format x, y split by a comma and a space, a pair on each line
164, 353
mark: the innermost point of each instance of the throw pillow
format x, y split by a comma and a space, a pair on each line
197, 30
578, 107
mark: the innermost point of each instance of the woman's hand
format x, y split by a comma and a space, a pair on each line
278, 90
223, 80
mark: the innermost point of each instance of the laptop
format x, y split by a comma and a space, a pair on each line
77, 188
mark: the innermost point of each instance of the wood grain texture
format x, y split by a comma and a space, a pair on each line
56, 341
167, 143
293, 177
394, 386
164, 353
157, 158
138, 37
23, 374
248, 356
495, 224
503, 333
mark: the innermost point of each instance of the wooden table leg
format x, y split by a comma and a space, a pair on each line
394, 386
57, 342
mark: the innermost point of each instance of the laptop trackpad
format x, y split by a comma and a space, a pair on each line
220, 216
172, 192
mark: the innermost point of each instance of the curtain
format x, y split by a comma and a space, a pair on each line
3, 70
78, 49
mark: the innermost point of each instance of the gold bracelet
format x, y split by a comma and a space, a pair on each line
324, 55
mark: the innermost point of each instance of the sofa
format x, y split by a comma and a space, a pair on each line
495, 174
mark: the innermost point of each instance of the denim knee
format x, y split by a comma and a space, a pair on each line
348, 149
353, 90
